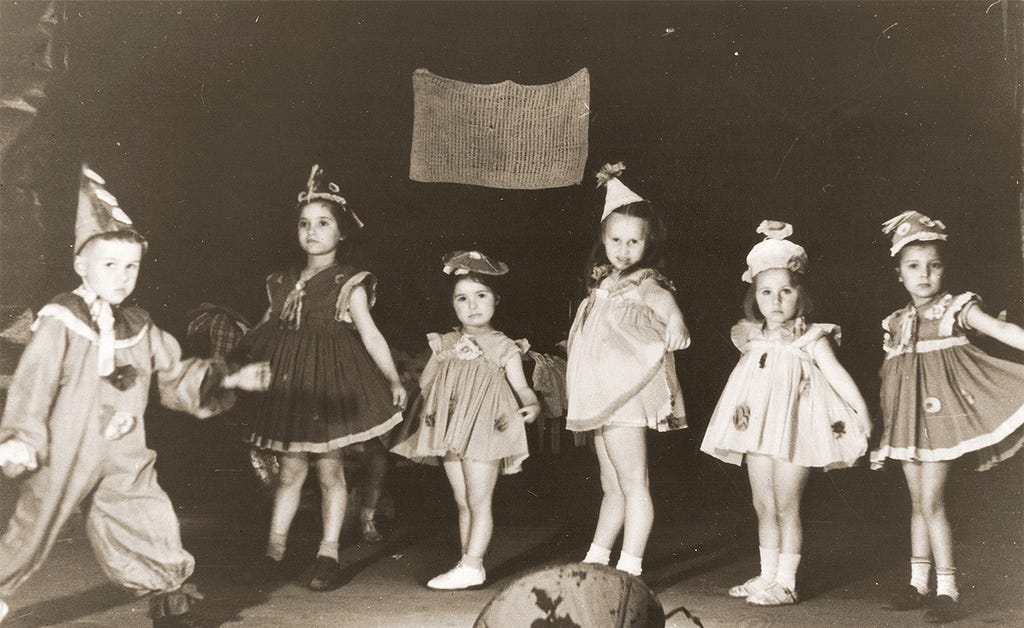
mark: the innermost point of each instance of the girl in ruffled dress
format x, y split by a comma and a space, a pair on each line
789, 406
942, 398
335, 383
476, 402
621, 376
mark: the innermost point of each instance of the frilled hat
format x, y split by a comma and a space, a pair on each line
465, 262
617, 194
912, 226
318, 189
775, 251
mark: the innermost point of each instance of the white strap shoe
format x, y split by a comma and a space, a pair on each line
459, 577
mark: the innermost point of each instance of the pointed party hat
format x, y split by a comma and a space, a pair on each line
98, 210
617, 193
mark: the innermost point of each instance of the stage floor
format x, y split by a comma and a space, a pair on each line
703, 543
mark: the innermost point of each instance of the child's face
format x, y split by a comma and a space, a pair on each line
474, 304
110, 268
318, 229
777, 297
625, 239
921, 271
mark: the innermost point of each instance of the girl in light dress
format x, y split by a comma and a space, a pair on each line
621, 378
789, 406
476, 403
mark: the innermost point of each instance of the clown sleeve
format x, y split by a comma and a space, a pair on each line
34, 387
191, 385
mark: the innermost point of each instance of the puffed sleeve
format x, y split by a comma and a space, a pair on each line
741, 334
192, 385
363, 278
512, 348
956, 313
826, 330
34, 387
434, 342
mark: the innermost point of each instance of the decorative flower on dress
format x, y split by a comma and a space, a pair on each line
123, 377
839, 429
932, 405
601, 271
467, 349
741, 417
938, 309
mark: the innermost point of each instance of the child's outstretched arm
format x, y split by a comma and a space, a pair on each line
376, 345
677, 336
840, 380
255, 376
517, 379
1006, 333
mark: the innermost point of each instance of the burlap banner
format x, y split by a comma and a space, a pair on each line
503, 135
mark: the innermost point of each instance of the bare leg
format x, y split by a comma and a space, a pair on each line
334, 494
920, 544
457, 480
789, 482
933, 508
760, 471
376, 463
627, 450
612, 515
294, 467
480, 478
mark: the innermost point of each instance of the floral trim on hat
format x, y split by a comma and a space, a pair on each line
465, 262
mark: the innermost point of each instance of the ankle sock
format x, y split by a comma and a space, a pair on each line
630, 564
920, 571
597, 555
276, 545
328, 549
769, 563
945, 582
786, 575
475, 562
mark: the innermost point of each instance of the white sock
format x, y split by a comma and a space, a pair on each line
786, 575
276, 546
945, 582
328, 549
473, 562
597, 555
769, 563
630, 564
920, 571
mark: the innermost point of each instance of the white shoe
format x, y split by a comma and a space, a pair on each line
459, 577
4, 609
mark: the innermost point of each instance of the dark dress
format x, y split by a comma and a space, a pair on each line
326, 392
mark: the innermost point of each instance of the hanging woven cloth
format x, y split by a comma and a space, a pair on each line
503, 135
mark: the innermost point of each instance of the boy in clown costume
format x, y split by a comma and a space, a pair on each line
74, 418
